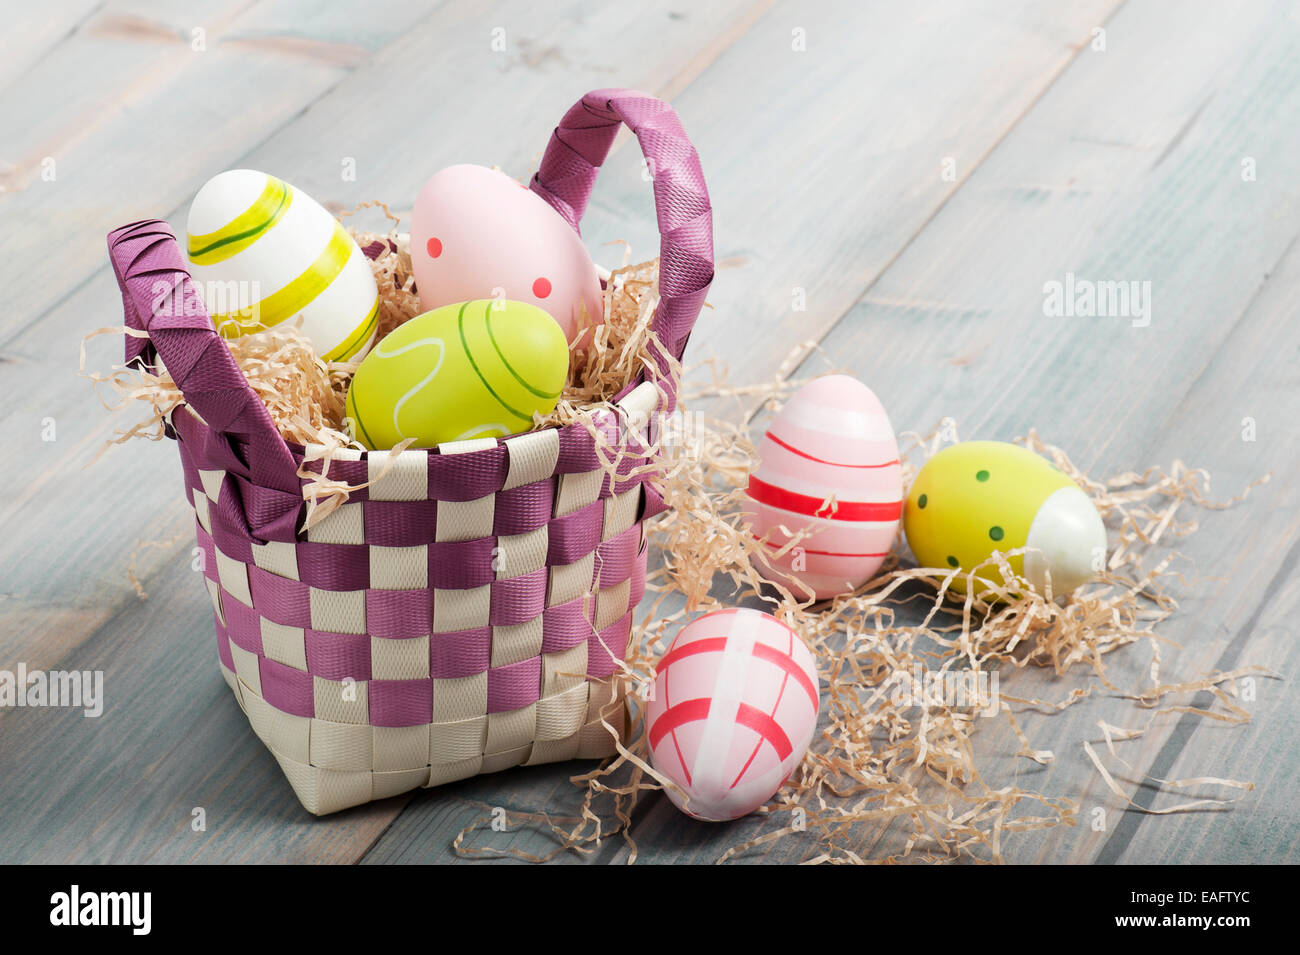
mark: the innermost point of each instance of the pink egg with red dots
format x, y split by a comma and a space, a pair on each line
478, 234
734, 708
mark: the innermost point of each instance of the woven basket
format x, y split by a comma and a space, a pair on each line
464, 613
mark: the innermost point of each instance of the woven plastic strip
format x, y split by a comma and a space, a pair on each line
158, 297
567, 175
462, 613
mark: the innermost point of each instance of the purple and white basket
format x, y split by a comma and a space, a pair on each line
380, 651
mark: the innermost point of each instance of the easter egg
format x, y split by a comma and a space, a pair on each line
976, 497
472, 370
734, 708
262, 252
477, 233
832, 440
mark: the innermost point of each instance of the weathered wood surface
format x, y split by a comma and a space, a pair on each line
827, 168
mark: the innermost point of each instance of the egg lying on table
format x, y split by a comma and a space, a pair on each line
832, 442
262, 252
472, 370
976, 497
477, 233
734, 708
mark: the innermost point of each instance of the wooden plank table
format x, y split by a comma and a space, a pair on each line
914, 173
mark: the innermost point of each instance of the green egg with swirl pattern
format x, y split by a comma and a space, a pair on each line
477, 369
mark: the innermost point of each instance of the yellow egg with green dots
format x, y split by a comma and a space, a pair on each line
471, 370
976, 497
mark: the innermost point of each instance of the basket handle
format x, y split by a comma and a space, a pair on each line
158, 297
567, 175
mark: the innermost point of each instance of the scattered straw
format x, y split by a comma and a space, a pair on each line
881, 771
143, 545
399, 299
303, 394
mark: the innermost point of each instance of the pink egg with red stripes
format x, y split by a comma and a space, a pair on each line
734, 708
478, 234
829, 465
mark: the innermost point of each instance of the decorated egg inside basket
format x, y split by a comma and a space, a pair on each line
262, 253
472, 370
446, 610
477, 234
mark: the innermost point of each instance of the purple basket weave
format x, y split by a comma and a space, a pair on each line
462, 614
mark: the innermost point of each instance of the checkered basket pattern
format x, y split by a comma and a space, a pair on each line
464, 612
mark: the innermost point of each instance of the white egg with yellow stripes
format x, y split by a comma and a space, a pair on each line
263, 253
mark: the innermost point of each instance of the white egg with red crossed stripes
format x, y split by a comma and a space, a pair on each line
828, 469
734, 708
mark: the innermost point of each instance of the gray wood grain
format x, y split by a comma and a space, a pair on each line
121, 118
826, 170
74, 596
32, 30
749, 151
1261, 599
1109, 188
